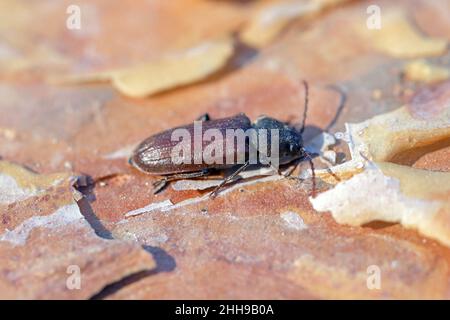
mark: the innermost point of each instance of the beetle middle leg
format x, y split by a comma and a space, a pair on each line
214, 193
162, 183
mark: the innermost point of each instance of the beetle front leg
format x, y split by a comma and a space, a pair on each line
288, 173
162, 183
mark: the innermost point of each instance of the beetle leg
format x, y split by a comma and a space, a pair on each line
162, 183
204, 117
311, 164
159, 185
313, 174
330, 172
276, 169
288, 173
333, 174
214, 193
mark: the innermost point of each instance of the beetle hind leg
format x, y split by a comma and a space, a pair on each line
160, 184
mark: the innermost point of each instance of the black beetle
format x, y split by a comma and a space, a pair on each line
153, 155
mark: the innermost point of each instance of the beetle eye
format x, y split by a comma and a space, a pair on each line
291, 147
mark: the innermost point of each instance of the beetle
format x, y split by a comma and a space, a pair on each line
153, 155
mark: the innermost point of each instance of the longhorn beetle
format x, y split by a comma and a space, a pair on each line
153, 155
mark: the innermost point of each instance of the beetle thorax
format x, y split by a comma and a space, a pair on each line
290, 140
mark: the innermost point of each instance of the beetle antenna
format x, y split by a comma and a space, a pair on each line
305, 110
342, 102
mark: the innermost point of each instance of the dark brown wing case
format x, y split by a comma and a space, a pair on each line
154, 154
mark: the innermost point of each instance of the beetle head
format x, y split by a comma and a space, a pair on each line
290, 139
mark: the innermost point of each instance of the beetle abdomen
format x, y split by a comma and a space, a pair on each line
154, 154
